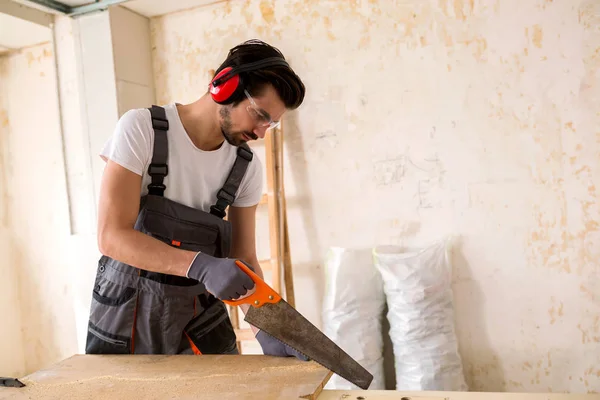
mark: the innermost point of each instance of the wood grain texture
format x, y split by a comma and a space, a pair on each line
130, 377
288, 276
434, 395
274, 216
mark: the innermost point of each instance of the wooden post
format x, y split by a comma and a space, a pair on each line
274, 215
288, 278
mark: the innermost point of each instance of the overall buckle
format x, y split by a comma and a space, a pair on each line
217, 211
158, 169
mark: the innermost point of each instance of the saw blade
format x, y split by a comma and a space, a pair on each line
283, 322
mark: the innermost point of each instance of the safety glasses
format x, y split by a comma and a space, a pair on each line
259, 115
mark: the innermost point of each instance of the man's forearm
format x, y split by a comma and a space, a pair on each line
142, 251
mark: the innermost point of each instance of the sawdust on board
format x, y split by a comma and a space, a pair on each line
106, 387
118, 378
161, 378
179, 387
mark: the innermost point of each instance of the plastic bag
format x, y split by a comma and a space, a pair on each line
418, 289
353, 310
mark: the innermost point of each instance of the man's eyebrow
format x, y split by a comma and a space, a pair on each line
266, 114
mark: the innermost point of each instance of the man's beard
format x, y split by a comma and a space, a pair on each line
233, 138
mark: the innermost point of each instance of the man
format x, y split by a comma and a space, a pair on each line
171, 173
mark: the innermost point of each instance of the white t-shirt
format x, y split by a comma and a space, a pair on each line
195, 176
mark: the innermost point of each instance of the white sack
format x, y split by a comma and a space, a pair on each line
421, 315
352, 311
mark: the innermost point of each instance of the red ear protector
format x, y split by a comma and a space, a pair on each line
227, 83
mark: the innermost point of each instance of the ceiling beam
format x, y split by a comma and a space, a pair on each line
53, 5
72, 11
98, 5
22, 11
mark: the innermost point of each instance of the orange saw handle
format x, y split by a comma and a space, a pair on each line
262, 293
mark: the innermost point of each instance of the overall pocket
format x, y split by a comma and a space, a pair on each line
180, 233
212, 331
112, 317
176, 223
102, 342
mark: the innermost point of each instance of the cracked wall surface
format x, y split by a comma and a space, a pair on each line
427, 118
422, 119
11, 345
34, 221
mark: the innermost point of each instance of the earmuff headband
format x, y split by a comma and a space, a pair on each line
267, 62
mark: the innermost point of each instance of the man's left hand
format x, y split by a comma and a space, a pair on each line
274, 347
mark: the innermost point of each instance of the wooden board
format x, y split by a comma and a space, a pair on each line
173, 377
431, 395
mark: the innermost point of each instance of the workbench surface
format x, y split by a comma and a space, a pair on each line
221, 377
132, 377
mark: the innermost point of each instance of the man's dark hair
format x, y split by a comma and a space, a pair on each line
288, 85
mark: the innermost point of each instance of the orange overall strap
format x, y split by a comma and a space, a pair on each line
192, 345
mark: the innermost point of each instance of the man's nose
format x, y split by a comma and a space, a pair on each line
261, 131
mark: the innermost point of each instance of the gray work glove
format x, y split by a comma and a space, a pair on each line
273, 347
221, 276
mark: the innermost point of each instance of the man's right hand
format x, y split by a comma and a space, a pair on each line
221, 276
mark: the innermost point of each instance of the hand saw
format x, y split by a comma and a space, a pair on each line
276, 317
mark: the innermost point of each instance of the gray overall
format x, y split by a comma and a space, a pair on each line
143, 312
